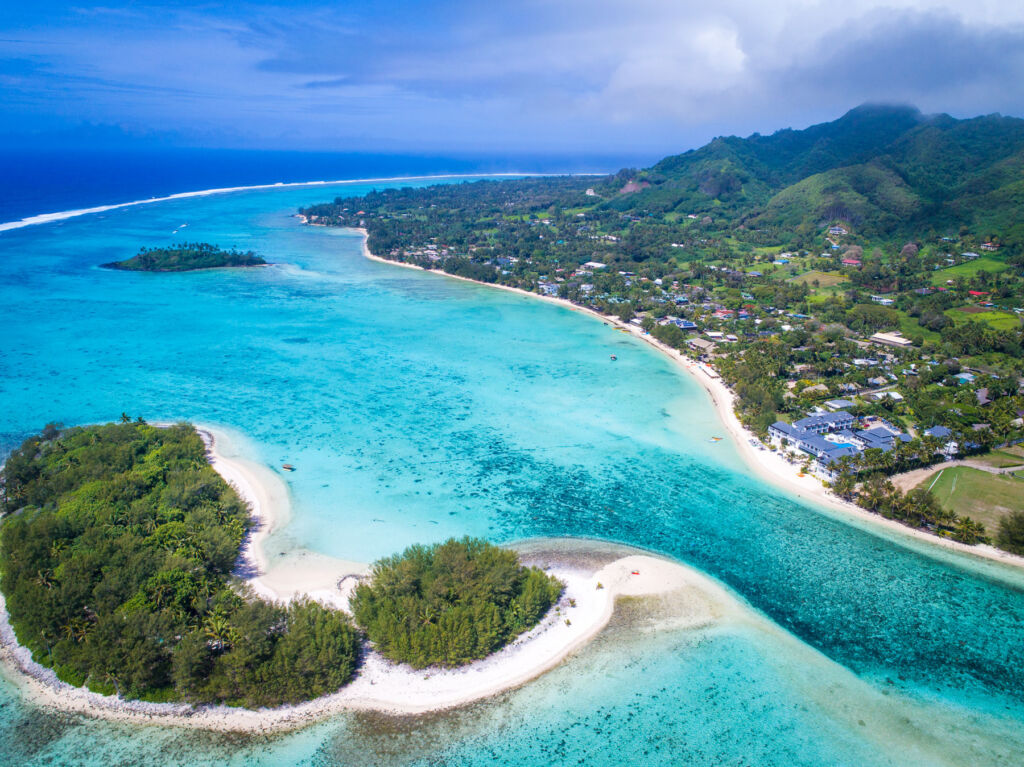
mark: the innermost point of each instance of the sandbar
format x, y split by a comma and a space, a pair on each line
594, 579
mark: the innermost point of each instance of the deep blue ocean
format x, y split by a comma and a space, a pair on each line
34, 182
419, 407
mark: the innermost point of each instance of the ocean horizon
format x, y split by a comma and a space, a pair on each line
39, 181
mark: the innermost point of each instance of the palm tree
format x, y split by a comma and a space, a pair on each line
844, 483
873, 492
202, 595
162, 593
929, 447
944, 517
125, 418
111, 678
77, 629
968, 531
219, 630
45, 578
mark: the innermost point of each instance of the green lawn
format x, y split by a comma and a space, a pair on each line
825, 279
910, 329
984, 497
967, 269
995, 319
1001, 458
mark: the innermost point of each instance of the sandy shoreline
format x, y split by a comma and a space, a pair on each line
765, 463
584, 609
300, 572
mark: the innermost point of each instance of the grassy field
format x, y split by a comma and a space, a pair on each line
910, 329
984, 497
993, 318
967, 269
825, 279
1002, 457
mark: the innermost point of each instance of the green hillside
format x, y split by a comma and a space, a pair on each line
888, 170
866, 196
776, 259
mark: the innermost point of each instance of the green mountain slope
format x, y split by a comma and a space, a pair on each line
887, 170
868, 195
891, 174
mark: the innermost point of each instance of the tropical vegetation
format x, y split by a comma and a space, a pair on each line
116, 550
451, 603
1011, 533
185, 257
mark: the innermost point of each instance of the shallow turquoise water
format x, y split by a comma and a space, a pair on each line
418, 407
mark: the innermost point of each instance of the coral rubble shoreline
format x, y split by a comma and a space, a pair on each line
585, 608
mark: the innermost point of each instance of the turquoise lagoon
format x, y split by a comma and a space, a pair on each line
417, 407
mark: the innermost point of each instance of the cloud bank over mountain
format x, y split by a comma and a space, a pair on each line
458, 76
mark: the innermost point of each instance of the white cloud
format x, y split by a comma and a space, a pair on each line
670, 75
533, 74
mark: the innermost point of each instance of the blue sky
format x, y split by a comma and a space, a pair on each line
561, 76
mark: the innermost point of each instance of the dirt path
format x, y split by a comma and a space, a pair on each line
908, 480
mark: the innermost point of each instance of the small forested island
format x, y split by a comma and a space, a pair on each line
451, 603
117, 546
116, 549
186, 257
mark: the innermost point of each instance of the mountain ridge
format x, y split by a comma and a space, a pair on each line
887, 169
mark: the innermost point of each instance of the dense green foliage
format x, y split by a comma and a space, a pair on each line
888, 172
1011, 533
786, 253
185, 257
918, 508
451, 603
116, 548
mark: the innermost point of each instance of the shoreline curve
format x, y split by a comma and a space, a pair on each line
762, 461
46, 218
596, 575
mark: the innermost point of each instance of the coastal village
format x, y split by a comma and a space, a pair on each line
854, 359
358, 411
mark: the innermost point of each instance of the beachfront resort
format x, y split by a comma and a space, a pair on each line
825, 438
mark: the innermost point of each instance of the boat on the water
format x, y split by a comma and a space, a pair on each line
614, 358
287, 467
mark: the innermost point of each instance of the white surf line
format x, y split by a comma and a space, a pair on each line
46, 218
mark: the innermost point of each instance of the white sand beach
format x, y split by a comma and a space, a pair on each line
585, 607
300, 572
765, 463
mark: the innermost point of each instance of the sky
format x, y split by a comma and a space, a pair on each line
546, 76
